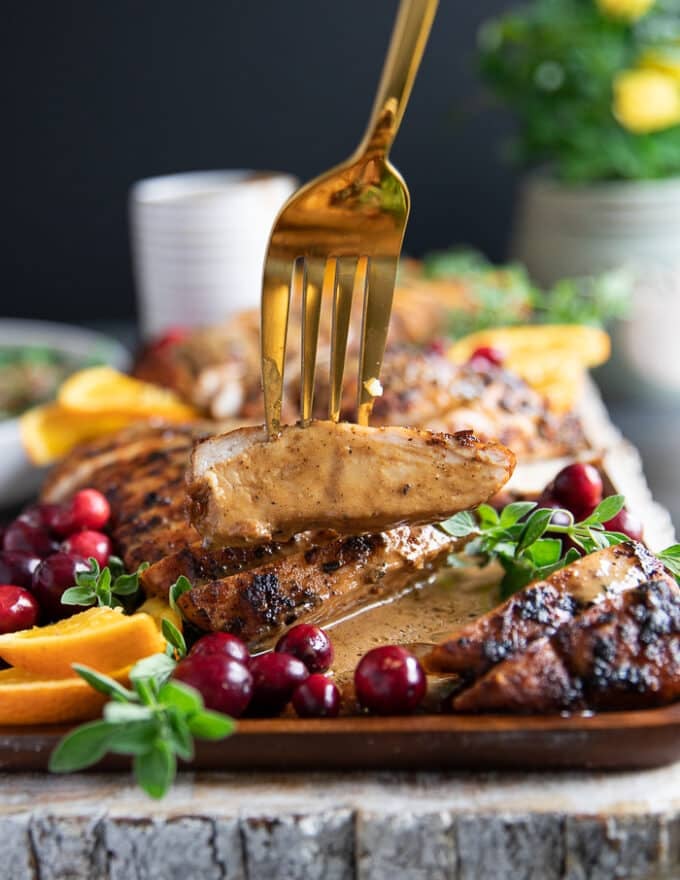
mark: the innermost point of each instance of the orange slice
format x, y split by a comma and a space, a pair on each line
48, 432
105, 390
552, 358
27, 698
102, 638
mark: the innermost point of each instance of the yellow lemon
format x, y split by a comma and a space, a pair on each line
628, 10
646, 100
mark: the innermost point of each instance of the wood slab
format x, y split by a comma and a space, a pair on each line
611, 741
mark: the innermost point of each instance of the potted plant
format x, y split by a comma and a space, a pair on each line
594, 86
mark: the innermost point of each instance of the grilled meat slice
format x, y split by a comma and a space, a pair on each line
201, 565
246, 489
317, 585
540, 608
141, 472
622, 653
82, 466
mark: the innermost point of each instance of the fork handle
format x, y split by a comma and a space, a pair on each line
409, 37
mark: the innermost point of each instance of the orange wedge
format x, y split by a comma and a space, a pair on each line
102, 638
27, 698
48, 432
552, 358
160, 610
105, 390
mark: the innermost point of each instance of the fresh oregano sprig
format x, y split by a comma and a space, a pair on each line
104, 586
671, 559
155, 722
527, 541
182, 585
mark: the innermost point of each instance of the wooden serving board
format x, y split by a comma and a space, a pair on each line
608, 741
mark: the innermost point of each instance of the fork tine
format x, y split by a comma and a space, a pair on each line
276, 297
382, 274
316, 282
351, 276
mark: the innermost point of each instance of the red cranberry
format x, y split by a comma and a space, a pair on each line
486, 354
626, 523
61, 521
18, 609
437, 346
88, 543
18, 568
225, 685
275, 677
54, 575
317, 697
308, 643
578, 487
172, 337
22, 537
561, 516
221, 643
89, 509
389, 681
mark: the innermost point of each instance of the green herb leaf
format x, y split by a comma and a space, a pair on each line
180, 695
606, 510
488, 516
155, 770
534, 529
182, 585
157, 667
515, 511
134, 737
546, 551
122, 713
180, 733
102, 683
174, 637
211, 725
671, 559
78, 596
82, 747
460, 525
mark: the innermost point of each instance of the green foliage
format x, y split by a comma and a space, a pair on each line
553, 64
104, 586
505, 295
526, 543
155, 723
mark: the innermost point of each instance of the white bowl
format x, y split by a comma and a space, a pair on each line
19, 479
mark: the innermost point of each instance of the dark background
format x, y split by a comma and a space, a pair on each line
98, 93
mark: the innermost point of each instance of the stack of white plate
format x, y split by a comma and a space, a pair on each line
199, 242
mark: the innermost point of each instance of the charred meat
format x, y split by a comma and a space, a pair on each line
247, 489
542, 607
621, 653
319, 584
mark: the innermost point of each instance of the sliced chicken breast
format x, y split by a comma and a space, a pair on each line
540, 608
317, 585
247, 489
621, 653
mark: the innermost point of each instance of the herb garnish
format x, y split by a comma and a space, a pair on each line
526, 540
156, 722
104, 586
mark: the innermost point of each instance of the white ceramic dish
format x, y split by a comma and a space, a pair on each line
19, 479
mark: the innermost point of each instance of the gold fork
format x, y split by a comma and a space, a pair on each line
340, 236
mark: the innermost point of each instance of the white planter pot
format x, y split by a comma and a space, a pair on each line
569, 231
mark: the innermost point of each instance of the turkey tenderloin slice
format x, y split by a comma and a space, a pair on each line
246, 489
